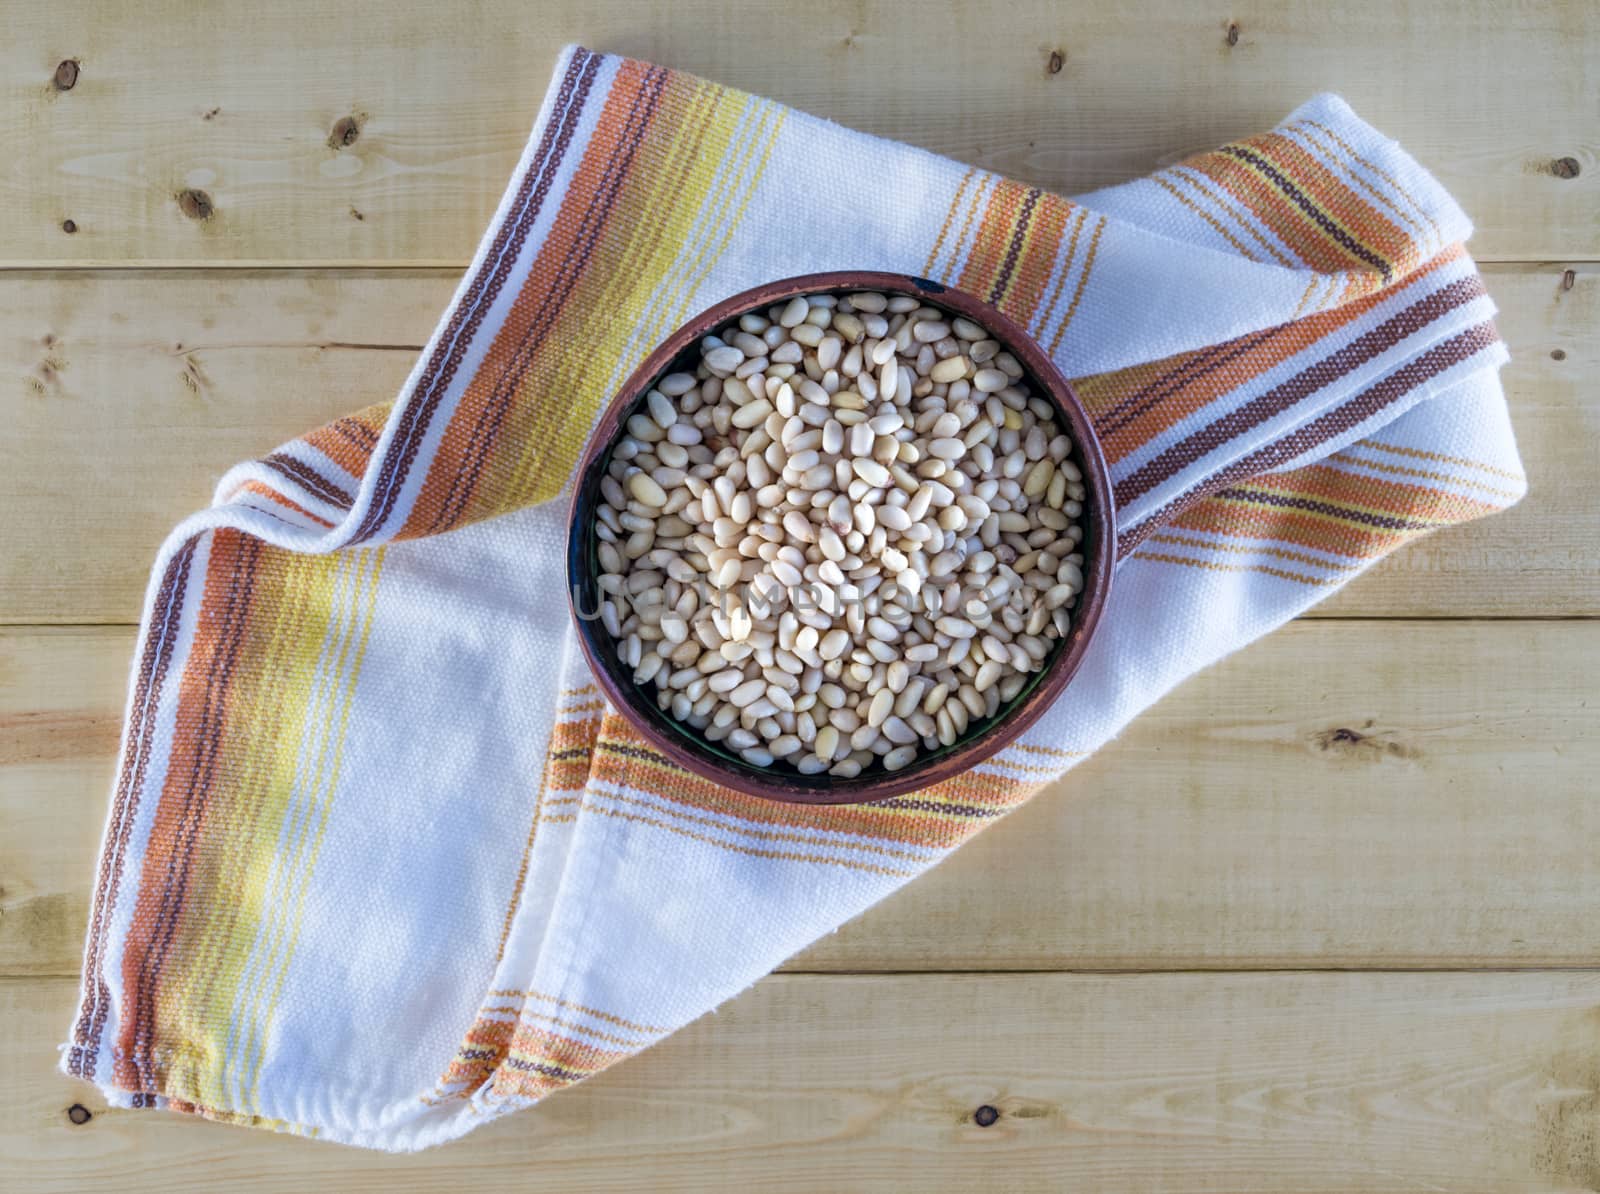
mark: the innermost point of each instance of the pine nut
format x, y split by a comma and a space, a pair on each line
852, 509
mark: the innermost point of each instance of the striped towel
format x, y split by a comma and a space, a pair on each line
381, 864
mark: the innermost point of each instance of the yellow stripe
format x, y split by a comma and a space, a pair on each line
557, 454
725, 183
327, 719
273, 861
645, 243
1030, 239
1331, 155
306, 602
207, 994
324, 805
748, 190
688, 231
569, 391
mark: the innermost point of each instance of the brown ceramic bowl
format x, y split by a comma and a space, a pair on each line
679, 743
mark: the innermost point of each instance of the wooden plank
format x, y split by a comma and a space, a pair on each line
245, 106
126, 394
125, 397
1411, 794
1189, 1082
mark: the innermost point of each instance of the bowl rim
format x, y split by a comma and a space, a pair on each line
1099, 519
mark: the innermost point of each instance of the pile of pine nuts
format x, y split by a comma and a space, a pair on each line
850, 535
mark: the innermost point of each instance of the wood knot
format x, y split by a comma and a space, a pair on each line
211, 114
1569, 279
195, 204
356, 214
69, 226
1558, 354
1232, 36
1364, 743
1565, 167
985, 1116
66, 77
1057, 61
79, 1114
346, 131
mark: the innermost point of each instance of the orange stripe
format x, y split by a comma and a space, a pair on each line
1066, 270
993, 238
1083, 281
966, 225
1106, 393
1220, 201
1388, 178
949, 219
1294, 557
561, 247
1204, 215
1036, 259
1211, 566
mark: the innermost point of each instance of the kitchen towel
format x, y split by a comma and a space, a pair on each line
380, 864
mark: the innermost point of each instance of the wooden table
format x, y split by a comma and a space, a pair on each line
1328, 917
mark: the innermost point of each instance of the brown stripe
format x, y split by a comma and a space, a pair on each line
1387, 391
1318, 376
308, 478
1394, 182
148, 962
1305, 204
464, 322
549, 1071
1195, 366
1291, 502
1015, 248
357, 432
568, 274
152, 675
922, 805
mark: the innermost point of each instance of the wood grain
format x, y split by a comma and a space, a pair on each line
1198, 1082
1418, 796
126, 394
307, 132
